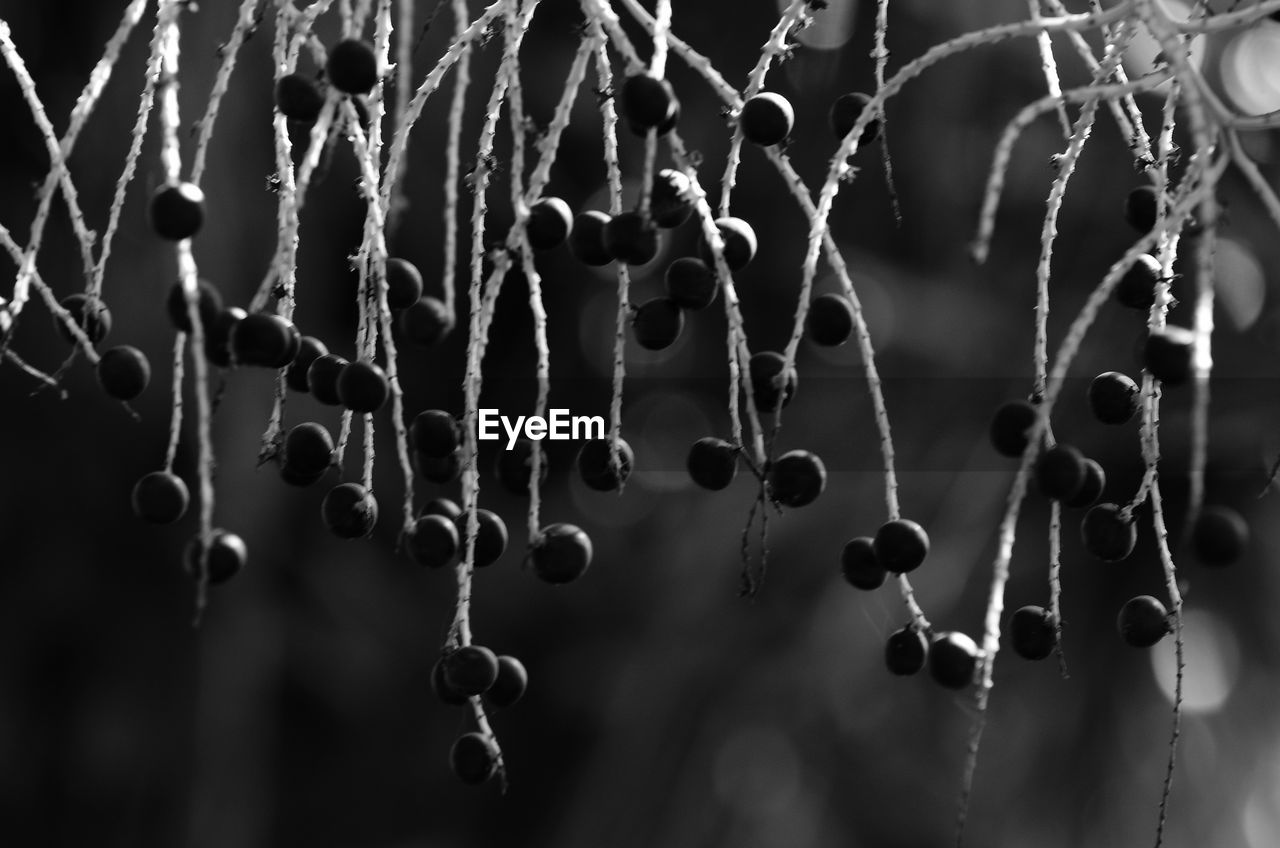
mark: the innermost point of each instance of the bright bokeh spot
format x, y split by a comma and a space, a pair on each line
831, 29
1212, 662
1241, 284
1251, 69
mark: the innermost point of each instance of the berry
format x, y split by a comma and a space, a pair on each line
1107, 534
596, 465
1167, 355
768, 388
473, 758
404, 283
433, 541
160, 497
690, 283
514, 467
901, 545
426, 322
310, 349
322, 378
669, 204
217, 337
740, 244
441, 506
905, 651
362, 386
550, 221
435, 433
1060, 472
657, 323
308, 449
177, 211
124, 372
561, 553
1113, 397
953, 658
797, 478
859, 565
829, 321
712, 463
352, 67
1095, 480
441, 687
443, 471
629, 238
226, 557
1137, 288
91, 316
1032, 632
1140, 209
266, 340
586, 239
1219, 536
844, 114
766, 119
471, 669
646, 101
349, 510
298, 98
673, 117
1009, 427
491, 536
511, 683
1143, 621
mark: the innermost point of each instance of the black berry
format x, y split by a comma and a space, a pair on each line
1114, 398
766, 119
690, 283
712, 463
435, 433
768, 387
550, 221
1060, 472
473, 758
217, 338
160, 497
844, 114
1140, 209
1095, 480
491, 536
597, 468
740, 244
953, 658
308, 449
829, 321
669, 203
657, 323
901, 545
1032, 632
404, 283
797, 478
433, 541
1010, 426
298, 98
91, 315
471, 669
906, 651
362, 386
1137, 288
266, 340
859, 565
349, 510
226, 557
1219, 536
511, 683
322, 378
309, 350
646, 101
629, 238
1107, 534
1167, 355
124, 372
561, 553
352, 67
1143, 621
426, 322
177, 211
586, 239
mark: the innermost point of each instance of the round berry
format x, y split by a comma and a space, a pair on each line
352, 67
471, 669
1140, 209
491, 536
669, 202
769, 388
829, 321
1167, 355
1143, 621
1060, 472
511, 683
1010, 427
1113, 397
124, 372
298, 98
514, 467
446, 693
1137, 288
441, 506
586, 239
673, 117
1095, 480
442, 470
473, 758
225, 559
217, 337
177, 211
310, 349
844, 114
901, 545
266, 340
1107, 534
740, 244
433, 541
561, 553
550, 221
1219, 536
349, 510
629, 238
426, 322
859, 565
690, 283
404, 283
308, 449
91, 315
435, 433
322, 378
646, 101
160, 497
953, 658
905, 651
1032, 632
657, 323
797, 478
712, 463
766, 119
362, 386
597, 467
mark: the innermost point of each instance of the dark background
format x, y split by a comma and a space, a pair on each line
662, 709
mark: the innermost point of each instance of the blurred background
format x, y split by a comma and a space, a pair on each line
663, 709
